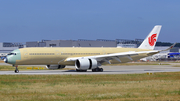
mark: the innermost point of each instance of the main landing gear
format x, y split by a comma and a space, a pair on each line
16, 70
97, 70
93, 70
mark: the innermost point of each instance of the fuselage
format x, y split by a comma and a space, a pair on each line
58, 56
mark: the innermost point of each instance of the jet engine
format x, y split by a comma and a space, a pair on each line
55, 66
84, 64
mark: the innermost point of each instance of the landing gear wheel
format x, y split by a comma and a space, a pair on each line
97, 70
16, 70
101, 69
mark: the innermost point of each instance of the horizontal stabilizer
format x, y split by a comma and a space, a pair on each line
169, 47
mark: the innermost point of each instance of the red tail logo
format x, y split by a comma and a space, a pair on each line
152, 39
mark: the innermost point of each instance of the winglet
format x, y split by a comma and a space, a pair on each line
169, 47
150, 41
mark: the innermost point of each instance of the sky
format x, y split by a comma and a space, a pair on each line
34, 20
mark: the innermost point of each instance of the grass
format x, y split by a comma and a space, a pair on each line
21, 68
158, 86
9, 67
176, 65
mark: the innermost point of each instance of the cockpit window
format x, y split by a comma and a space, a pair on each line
12, 54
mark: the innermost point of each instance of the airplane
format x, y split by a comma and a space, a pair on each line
83, 58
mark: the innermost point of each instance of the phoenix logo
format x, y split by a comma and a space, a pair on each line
152, 39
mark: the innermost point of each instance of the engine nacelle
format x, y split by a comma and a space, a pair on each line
55, 66
84, 64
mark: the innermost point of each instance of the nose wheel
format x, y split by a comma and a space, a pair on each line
16, 70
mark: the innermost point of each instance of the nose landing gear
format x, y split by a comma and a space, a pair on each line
16, 69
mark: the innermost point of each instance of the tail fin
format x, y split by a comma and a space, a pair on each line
151, 39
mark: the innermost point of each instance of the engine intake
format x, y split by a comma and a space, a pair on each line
84, 64
55, 66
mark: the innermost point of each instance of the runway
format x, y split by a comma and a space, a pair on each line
135, 69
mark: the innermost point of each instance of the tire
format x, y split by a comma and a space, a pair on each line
101, 69
16, 71
95, 70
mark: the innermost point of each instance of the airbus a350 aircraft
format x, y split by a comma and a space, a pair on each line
83, 58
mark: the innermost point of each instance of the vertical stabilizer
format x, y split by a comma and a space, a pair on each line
151, 39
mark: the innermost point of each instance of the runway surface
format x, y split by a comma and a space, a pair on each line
135, 69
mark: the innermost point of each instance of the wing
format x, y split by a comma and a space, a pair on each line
117, 56
114, 56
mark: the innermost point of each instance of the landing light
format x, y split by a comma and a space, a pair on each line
5, 60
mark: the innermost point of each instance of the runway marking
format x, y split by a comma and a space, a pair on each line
29, 68
41, 68
148, 73
35, 67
